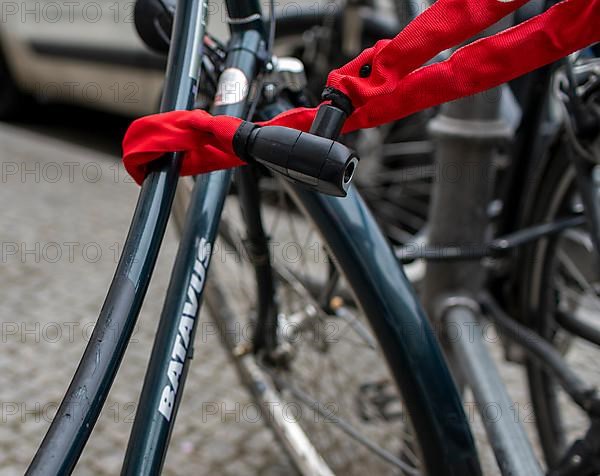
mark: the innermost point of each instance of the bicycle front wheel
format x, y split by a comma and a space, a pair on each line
315, 366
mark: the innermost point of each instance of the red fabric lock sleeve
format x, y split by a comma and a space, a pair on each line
440, 27
206, 141
566, 27
398, 86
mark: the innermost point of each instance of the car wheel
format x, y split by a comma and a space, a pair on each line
11, 97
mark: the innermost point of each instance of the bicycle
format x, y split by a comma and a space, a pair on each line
432, 410
512, 257
74, 420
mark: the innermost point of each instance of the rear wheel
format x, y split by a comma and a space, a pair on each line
560, 277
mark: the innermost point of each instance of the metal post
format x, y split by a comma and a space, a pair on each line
467, 132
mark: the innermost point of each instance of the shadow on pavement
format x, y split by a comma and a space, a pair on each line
99, 130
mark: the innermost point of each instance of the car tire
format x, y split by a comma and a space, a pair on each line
12, 98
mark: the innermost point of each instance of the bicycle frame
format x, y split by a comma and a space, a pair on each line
359, 247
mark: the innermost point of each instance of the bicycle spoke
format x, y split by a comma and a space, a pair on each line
345, 426
314, 356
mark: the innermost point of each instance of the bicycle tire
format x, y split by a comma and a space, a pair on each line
539, 271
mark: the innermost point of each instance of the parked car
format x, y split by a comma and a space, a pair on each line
79, 51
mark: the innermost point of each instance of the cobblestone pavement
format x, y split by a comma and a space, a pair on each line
65, 213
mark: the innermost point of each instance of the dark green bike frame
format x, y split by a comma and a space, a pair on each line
359, 248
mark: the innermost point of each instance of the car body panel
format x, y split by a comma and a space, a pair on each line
85, 52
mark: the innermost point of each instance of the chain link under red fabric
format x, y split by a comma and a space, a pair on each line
399, 84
